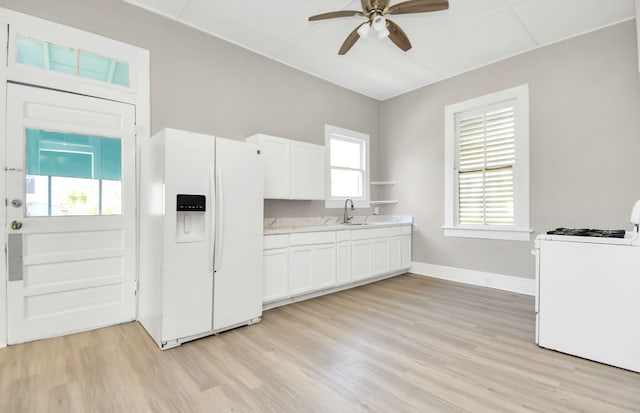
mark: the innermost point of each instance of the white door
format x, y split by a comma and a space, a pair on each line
71, 213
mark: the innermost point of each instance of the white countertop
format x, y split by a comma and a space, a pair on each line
315, 224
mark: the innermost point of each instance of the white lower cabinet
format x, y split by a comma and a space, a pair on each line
395, 253
276, 274
381, 256
406, 251
301, 263
313, 267
361, 259
343, 262
301, 269
313, 261
324, 266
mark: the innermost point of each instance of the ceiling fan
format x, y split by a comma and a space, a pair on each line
375, 12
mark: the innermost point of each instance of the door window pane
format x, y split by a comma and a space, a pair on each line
72, 174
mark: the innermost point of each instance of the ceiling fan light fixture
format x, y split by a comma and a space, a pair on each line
383, 34
363, 31
379, 23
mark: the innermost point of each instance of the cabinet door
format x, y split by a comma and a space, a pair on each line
301, 269
276, 274
324, 266
307, 171
406, 252
361, 259
395, 254
277, 173
343, 263
381, 256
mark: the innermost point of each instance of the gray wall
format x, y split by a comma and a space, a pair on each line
584, 146
203, 84
585, 114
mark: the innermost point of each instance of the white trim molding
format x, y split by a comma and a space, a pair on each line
510, 283
330, 132
520, 231
489, 233
138, 93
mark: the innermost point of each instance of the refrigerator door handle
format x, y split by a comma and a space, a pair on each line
219, 219
212, 220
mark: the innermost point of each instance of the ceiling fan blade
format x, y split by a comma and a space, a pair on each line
418, 6
398, 36
335, 14
350, 40
366, 5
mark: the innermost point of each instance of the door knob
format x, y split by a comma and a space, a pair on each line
16, 224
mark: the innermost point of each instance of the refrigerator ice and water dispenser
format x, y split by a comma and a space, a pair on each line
190, 217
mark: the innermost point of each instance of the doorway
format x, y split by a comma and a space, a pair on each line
71, 196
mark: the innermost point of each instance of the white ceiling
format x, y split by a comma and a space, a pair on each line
470, 34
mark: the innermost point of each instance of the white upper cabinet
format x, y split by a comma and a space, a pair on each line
293, 169
276, 156
307, 171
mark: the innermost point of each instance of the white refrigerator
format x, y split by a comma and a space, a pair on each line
201, 220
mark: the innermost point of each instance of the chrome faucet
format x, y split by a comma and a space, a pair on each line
347, 218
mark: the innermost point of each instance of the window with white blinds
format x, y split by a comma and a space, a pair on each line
486, 154
487, 166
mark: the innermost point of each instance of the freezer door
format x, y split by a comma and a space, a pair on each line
238, 254
188, 235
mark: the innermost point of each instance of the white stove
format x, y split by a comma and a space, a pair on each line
588, 296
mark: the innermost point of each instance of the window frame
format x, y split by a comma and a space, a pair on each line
334, 132
521, 230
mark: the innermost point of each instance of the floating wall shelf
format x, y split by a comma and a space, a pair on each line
384, 202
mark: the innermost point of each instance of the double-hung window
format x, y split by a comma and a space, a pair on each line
347, 167
487, 166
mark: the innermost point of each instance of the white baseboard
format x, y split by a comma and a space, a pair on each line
485, 279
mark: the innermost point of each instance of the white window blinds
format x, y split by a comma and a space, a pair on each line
485, 164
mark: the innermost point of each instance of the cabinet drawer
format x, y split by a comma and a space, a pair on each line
343, 236
275, 241
308, 238
369, 233
406, 229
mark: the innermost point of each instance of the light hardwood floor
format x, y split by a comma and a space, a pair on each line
407, 344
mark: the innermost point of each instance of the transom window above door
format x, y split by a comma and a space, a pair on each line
50, 56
